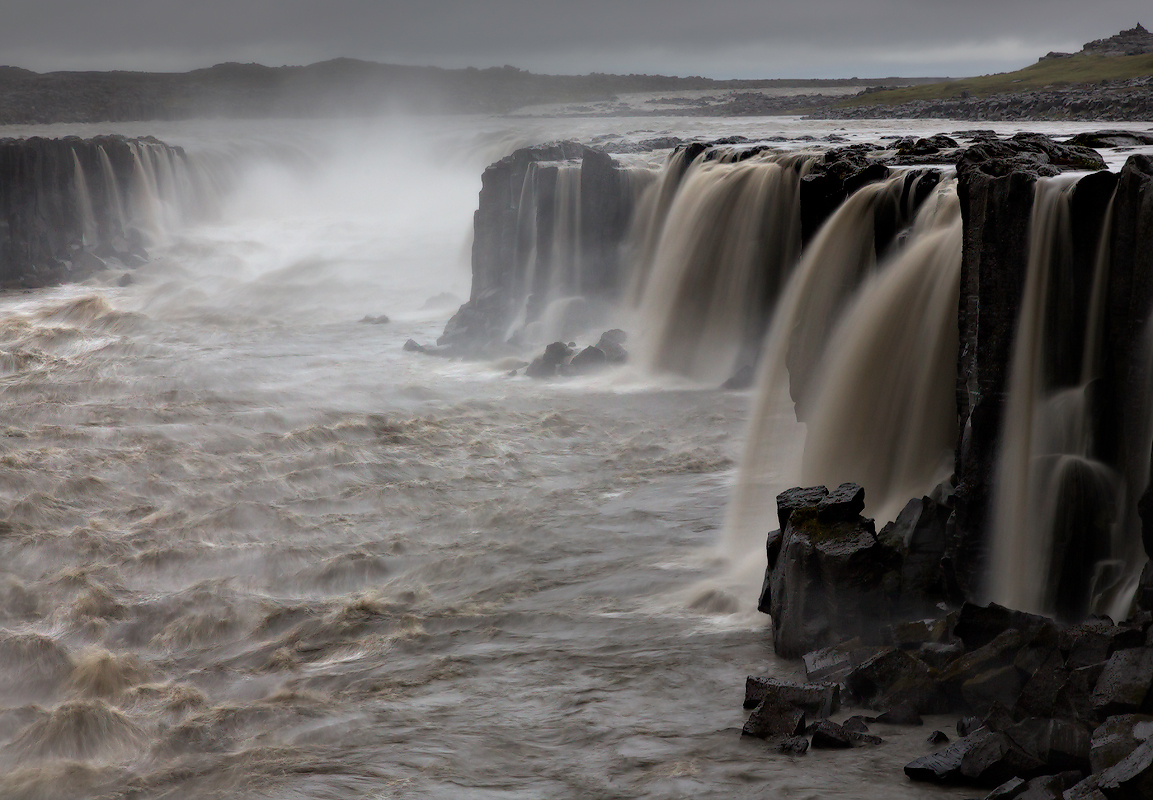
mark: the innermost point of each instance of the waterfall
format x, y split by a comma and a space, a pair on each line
651, 214
1056, 538
89, 232
730, 237
148, 215
112, 192
883, 413
859, 350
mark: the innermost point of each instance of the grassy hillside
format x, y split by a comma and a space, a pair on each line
1054, 73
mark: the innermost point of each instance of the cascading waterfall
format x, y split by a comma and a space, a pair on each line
731, 236
112, 197
1057, 544
840, 258
83, 202
883, 413
651, 215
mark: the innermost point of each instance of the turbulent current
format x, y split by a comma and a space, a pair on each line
252, 549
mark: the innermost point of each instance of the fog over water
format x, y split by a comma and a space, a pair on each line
253, 549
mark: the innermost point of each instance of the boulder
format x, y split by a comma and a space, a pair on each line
611, 344
795, 745
829, 664
826, 584
818, 699
547, 364
588, 360
1116, 738
1131, 778
1001, 684
876, 677
1123, 687
944, 766
830, 736
995, 758
1008, 790
938, 738
772, 718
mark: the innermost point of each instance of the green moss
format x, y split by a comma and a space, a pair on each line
1057, 73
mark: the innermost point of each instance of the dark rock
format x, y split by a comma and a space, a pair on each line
938, 738
1087, 643
1123, 687
547, 364
1002, 685
1117, 737
588, 360
1098, 139
863, 739
831, 736
901, 714
371, 320
125, 280
1049, 787
978, 625
979, 662
843, 504
774, 719
937, 655
818, 699
995, 758
412, 346
793, 499
1061, 744
857, 724
1008, 790
795, 745
1131, 778
1041, 695
830, 664
827, 583
944, 766
611, 344
967, 725
874, 678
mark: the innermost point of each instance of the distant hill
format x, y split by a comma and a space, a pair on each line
1125, 57
341, 87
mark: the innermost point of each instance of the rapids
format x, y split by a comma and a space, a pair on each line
252, 549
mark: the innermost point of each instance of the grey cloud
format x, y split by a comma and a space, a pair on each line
721, 38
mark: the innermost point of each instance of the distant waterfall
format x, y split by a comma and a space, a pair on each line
1058, 542
864, 351
89, 232
724, 249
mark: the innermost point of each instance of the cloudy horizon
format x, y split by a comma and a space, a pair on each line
723, 39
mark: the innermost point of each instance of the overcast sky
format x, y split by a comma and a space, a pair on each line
717, 38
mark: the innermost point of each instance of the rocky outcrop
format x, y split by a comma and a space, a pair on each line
65, 206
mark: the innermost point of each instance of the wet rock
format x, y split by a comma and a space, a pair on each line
1041, 695
588, 360
611, 343
831, 736
793, 499
829, 664
818, 699
856, 724
1061, 744
1123, 686
368, 319
995, 758
864, 739
1131, 778
1002, 685
1049, 787
1008, 790
938, 738
547, 364
944, 766
774, 719
1087, 643
901, 714
827, 583
967, 725
843, 504
939, 655
1118, 138
920, 534
1117, 737
795, 745
873, 679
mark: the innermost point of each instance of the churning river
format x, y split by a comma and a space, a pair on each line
250, 548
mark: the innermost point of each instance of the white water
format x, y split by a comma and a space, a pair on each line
255, 550
725, 248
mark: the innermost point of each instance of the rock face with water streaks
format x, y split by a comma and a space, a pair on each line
62, 207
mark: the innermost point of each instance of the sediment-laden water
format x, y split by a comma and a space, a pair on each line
252, 549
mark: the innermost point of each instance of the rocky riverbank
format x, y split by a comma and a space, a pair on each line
1114, 101
1046, 710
